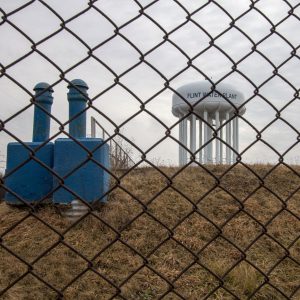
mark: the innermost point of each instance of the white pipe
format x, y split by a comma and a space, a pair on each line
184, 140
200, 140
77, 210
228, 139
205, 117
217, 116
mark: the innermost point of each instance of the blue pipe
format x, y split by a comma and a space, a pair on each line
41, 122
77, 98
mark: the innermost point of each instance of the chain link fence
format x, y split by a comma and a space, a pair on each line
200, 231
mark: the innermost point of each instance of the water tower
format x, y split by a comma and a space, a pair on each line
212, 108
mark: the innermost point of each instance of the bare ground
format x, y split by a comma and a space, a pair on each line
194, 237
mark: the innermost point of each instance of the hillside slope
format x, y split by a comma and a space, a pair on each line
204, 233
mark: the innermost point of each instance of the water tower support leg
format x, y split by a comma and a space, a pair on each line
221, 143
200, 140
193, 134
180, 147
237, 135
234, 138
228, 139
205, 137
209, 134
185, 140
217, 116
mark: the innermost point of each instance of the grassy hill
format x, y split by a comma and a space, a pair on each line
205, 232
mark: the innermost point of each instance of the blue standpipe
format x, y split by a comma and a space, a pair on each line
77, 97
90, 181
41, 121
27, 180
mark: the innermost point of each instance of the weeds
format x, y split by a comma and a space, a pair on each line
244, 242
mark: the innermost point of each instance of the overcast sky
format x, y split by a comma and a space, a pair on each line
65, 50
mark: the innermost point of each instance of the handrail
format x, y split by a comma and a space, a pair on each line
118, 148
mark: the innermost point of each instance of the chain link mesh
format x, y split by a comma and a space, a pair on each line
192, 232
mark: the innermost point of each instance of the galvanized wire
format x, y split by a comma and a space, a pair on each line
118, 179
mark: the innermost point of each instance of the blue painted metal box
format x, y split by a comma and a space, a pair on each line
90, 181
31, 182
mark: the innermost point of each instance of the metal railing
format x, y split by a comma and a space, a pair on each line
119, 157
2, 162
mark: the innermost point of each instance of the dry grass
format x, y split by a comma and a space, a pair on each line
206, 244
